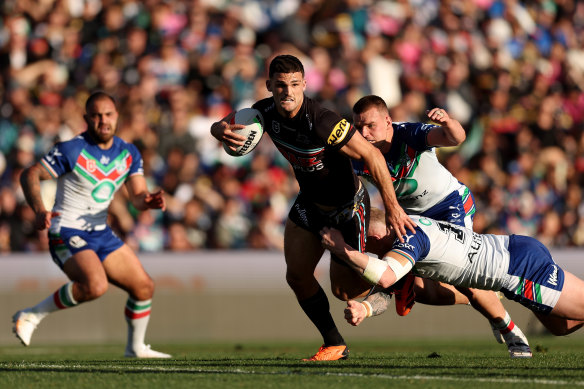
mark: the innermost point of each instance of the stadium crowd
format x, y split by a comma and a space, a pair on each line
511, 72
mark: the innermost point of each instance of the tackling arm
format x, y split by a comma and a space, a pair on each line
383, 273
358, 148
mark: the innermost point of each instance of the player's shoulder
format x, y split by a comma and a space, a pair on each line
266, 106
412, 126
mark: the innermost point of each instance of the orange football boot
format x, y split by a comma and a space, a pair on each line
330, 353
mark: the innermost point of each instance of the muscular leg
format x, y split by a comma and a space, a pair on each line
302, 251
432, 292
486, 302
568, 314
88, 282
346, 284
124, 270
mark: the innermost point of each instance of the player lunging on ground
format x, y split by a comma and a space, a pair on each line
519, 266
319, 145
423, 186
89, 169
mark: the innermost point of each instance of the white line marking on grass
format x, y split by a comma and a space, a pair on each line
164, 369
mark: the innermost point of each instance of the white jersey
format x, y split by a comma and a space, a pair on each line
87, 179
521, 267
420, 181
456, 255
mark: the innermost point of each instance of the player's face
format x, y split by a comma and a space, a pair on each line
375, 126
102, 121
288, 92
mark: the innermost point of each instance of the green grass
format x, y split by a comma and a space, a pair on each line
557, 362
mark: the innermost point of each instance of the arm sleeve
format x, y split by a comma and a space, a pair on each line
61, 158
415, 247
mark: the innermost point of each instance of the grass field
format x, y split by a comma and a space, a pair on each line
557, 362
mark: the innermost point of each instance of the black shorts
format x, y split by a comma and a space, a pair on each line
351, 219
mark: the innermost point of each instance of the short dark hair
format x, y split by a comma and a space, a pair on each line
285, 64
366, 102
95, 96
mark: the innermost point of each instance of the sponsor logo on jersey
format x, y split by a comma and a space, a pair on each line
52, 154
553, 278
339, 133
77, 242
406, 244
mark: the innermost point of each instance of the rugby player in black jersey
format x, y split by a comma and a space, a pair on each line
319, 145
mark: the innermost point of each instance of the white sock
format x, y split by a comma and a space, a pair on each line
61, 299
137, 316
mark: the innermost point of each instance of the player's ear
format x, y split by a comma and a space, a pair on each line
268, 86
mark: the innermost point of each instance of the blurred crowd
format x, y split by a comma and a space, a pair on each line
512, 72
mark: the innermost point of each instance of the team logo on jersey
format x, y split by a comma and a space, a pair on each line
104, 160
339, 132
91, 165
77, 242
275, 127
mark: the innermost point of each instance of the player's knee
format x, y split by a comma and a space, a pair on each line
145, 290
93, 289
295, 280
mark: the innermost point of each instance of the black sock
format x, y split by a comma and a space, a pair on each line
318, 311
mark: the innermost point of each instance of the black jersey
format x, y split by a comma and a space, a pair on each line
310, 141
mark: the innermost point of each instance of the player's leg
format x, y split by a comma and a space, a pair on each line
568, 314
88, 282
302, 251
123, 269
432, 292
488, 304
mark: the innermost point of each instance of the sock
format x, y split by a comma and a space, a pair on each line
137, 316
318, 311
506, 327
61, 299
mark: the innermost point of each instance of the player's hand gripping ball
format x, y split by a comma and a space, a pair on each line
253, 131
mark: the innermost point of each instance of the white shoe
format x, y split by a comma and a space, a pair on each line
497, 334
519, 349
145, 352
25, 322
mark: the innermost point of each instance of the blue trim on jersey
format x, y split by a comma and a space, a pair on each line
415, 247
451, 210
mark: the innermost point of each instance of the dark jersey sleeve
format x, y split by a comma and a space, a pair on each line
333, 129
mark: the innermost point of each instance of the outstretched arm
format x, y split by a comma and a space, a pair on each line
30, 180
382, 272
450, 132
358, 148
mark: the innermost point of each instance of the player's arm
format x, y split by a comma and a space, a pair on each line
374, 304
358, 148
382, 272
224, 132
30, 180
449, 133
141, 198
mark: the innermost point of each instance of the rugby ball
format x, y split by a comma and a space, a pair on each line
253, 131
